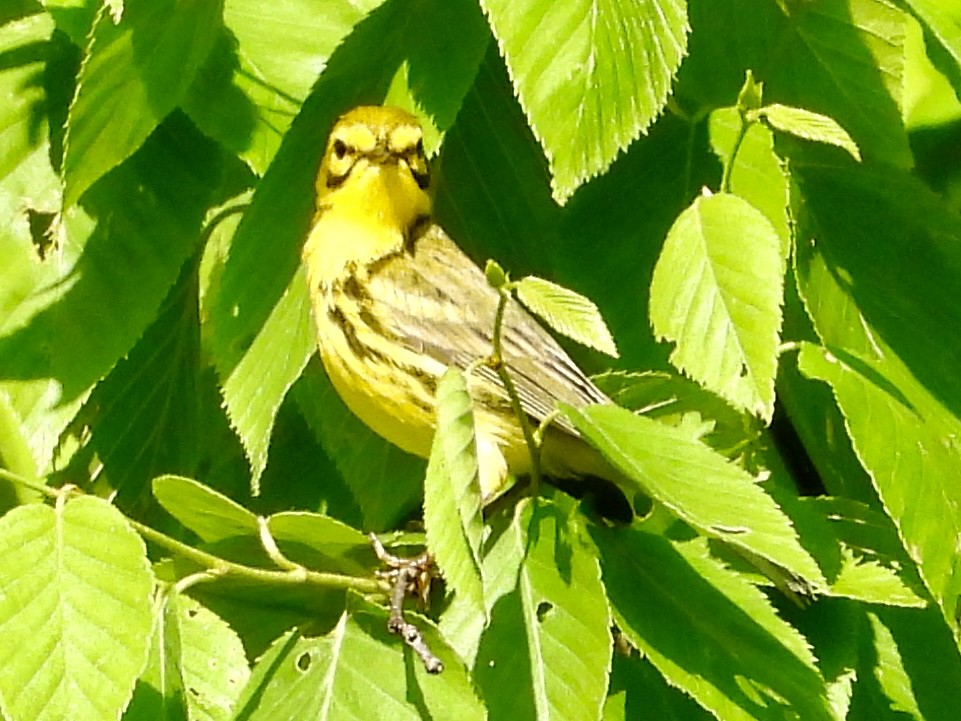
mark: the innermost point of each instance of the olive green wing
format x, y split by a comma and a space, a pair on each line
434, 300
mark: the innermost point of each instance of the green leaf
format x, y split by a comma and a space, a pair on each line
29, 189
678, 401
873, 582
212, 660
73, 17
75, 589
880, 422
261, 68
638, 691
145, 416
560, 610
209, 514
758, 175
707, 630
809, 126
24, 148
717, 292
840, 58
914, 661
854, 53
256, 386
667, 465
890, 672
876, 314
942, 31
814, 413
357, 671
751, 95
493, 195
136, 71
590, 76
567, 312
875, 568
435, 98
323, 543
17, 456
628, 212
833, 627
197, 666
136, 229
452, 494
460, 623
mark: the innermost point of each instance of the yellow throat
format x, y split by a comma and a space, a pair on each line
371, 191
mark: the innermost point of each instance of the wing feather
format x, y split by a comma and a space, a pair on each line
436, 301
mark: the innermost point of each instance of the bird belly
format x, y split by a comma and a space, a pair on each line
395, 406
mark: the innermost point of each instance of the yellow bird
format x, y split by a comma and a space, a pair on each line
396, 302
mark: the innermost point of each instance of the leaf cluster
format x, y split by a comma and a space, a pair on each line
759, 197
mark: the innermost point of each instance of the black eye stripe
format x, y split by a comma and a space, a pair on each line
422, 178
413, 156
336, 179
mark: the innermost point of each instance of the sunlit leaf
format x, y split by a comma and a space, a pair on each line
809, 126
707, 630
549, 645
758, 175
135, 73
75, 602
567, 312
261, 68
452, 495
209, 514
358, 671
876, 314
717, 293
127, 246
912, 658
256, 386
840, 58
321, 542
942, 25
591, 76
672, 468
197, 666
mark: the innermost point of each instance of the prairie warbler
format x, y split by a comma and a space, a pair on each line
396, 302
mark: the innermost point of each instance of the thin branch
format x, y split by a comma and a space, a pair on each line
217, 567
496, 362
729, 165
406, 573
225, 568
397, 624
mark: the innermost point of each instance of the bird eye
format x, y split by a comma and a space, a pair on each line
340, 149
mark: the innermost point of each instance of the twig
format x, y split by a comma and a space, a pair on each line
397, 624
219, 567
406, 573
274, 553
728, 170
496, 362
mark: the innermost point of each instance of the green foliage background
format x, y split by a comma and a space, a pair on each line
788, 336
